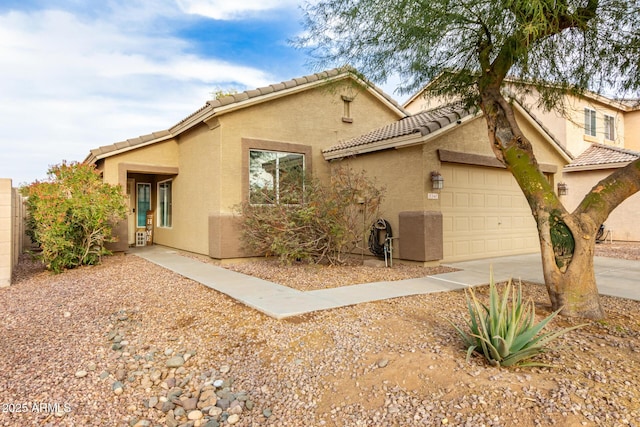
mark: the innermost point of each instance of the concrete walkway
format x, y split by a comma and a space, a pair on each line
615, 277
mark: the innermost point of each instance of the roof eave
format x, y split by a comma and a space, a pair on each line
598, 166
94, 157
399, 141
404, 141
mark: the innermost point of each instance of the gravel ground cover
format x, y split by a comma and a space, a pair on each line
128, 343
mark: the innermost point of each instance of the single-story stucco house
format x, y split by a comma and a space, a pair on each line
192, 175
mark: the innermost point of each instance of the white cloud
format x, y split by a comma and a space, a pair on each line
70, 83
229, 10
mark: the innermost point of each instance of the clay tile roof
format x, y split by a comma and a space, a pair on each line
599, 154
211, 105
424, 122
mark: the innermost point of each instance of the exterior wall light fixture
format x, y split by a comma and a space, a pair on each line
563, 189
437, 181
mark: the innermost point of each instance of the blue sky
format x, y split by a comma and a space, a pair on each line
78, 74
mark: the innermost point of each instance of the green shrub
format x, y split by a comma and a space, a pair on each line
505, 333
320, 222
71, 215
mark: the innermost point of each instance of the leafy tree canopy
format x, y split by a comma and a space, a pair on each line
468, 49
571, 45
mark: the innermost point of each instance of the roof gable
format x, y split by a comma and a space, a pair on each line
226, 104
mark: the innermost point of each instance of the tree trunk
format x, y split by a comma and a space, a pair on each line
568, 267
570, 281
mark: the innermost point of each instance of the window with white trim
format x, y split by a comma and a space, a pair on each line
589, 122
165, 198
609, 127
275, 177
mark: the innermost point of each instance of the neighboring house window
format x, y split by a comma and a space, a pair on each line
589, 122
143, 193
275, 177
609, 127
164, 204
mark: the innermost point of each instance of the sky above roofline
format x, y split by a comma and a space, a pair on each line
75, 75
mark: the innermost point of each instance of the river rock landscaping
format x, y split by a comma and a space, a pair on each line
127, 343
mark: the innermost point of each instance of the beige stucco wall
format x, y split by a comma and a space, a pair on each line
622, 219
552, 120
402, 173
11, 229
632, 130
195, 192
422, 103
6, 232
406, 172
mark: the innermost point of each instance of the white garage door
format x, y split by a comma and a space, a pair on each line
485, 214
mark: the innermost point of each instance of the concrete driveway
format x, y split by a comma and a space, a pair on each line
614, 277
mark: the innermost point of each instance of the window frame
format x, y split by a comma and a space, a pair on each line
162, 222
270, 145
590, 122
609, 127
278, 156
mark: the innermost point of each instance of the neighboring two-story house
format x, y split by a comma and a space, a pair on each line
600, 134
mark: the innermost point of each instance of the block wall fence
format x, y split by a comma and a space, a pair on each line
12, 237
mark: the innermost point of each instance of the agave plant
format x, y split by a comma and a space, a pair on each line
505, 333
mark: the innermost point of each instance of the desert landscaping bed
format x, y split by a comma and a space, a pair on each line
129, 343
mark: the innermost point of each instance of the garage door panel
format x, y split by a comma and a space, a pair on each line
506, 244
461, 178
491, 178
492, 243
461, 224
517, 202
477, 178
477, 200
447, 250
507, 181
461, 200
478, 246
492, 223
461, 248
485, 214
478, 223
446, 200
506, 223
447, 225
